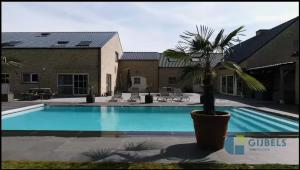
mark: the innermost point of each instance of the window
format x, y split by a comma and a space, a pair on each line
137, 80
239, 86
4, 78
43, 34
224, 84
62, 42
227, 84
30, 78
69, 84
230, 84
84, 43
80, 84
65, 84
117, 56
172, 80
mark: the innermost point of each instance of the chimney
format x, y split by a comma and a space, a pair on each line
261, 31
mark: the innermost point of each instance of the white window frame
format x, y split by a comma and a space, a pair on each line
136, 78
30, 74
73, 85
6, 79
234, 84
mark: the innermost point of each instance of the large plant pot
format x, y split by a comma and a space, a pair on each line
90, 98
148, 99
210, 130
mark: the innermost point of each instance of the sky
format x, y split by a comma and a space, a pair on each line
145, 26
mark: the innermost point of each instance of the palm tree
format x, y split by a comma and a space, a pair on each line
7, 64
199, 45
10, 63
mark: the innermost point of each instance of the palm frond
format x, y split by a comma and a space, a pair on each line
250, 81
226, 40
14, 64
191, 72
175, 54
218, 38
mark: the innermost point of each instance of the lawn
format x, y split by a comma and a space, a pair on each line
73, 165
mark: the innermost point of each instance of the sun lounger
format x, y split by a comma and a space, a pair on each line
164, 95
134, 96
178, 96
117, 97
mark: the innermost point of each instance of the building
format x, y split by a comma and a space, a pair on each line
266, 56
67, 62
152, 69
70, 62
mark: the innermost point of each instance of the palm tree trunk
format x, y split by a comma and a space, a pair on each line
209, 99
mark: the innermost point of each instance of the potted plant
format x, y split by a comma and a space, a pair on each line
90, 98
148, 97
210, 125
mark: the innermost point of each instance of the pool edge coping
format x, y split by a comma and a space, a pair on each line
59, 133
11, 111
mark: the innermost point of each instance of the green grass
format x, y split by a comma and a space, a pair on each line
89, 165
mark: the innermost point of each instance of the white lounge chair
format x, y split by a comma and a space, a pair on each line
117, 97
164, 95
178, 96
134, 96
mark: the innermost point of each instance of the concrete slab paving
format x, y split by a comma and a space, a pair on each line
139, 149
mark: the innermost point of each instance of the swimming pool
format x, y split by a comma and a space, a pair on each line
139, 118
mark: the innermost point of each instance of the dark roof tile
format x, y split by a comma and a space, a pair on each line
242, 51
50, 39
140, 56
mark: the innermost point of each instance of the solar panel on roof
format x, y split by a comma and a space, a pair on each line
62, 42
84, 43
45, 34
11, 43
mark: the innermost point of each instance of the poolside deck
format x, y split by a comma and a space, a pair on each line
139, 149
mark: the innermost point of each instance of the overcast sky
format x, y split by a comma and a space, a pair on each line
144, 26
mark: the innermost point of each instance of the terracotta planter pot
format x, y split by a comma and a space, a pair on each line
210, 130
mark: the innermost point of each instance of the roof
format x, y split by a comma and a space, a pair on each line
247, 48
169, 63
140, 56
55, 39
270, 66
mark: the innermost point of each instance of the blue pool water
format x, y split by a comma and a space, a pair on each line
118, 118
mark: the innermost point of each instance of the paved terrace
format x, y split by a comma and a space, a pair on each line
162, 149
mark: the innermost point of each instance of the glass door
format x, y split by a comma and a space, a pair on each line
65, 84
108, 84
72, 84
80, 84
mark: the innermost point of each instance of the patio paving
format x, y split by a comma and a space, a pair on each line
139, 149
